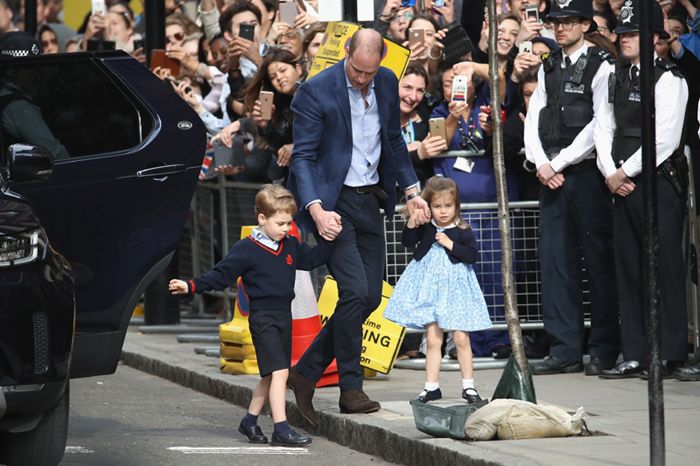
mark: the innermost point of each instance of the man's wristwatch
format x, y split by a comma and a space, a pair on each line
412, 196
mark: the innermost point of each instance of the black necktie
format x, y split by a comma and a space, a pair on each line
634, 74
567, 60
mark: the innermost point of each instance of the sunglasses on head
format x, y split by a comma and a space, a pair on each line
177, 37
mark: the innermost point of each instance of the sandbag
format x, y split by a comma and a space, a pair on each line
526, 420
483, 424
516, 419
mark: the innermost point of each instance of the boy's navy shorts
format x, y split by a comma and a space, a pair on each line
272, 338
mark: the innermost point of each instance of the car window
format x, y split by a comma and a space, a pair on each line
86, 112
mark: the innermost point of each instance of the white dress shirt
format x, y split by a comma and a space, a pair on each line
583, 144
671, 97
263, 239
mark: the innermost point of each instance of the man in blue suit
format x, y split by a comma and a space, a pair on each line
348, 157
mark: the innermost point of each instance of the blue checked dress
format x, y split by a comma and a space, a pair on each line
434, 289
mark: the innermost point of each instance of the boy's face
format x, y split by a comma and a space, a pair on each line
276, 226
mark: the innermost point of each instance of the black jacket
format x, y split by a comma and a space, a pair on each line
464, 249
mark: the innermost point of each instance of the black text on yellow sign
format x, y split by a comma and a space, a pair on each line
381, 338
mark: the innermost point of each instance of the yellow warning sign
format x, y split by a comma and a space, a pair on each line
337, 37
381, 338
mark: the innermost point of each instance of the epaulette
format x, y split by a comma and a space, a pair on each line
668, 65
604, 55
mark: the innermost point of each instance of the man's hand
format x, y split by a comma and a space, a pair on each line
416, 219
328, 223
444, 241
421, 209
618, 183
548, 177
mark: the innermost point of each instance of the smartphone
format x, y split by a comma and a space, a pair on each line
405, 3
438, 3
159, 58
288, 11
98, 45
99, 7
437, 128
415, 36
247, 31
532, 12
140, 44
525, 46
460, 85
266, 98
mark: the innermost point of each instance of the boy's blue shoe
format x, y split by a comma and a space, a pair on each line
253, 434
291, 438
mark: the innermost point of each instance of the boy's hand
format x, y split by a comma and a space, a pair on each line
177, 287
444, 241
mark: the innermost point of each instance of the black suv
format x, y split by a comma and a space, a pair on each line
99, 163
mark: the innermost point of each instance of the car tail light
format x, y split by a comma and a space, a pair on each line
18, 249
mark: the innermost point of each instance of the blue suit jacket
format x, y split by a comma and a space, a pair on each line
323, 141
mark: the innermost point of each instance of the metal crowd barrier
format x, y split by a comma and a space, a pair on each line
483, 218
221, 207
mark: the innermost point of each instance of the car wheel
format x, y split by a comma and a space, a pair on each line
43, 445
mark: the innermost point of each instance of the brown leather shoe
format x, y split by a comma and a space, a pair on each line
356, 401
303, 389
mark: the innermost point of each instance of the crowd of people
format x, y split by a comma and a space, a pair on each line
355, 139
228, 52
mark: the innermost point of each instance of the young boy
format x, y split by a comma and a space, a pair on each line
267, 261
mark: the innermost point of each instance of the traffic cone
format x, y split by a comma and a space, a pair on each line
306, 321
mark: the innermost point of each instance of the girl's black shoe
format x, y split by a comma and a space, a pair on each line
471, 395
429, 395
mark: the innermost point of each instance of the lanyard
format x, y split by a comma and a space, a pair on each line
409, 134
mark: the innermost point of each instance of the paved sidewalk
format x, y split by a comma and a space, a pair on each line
617, 410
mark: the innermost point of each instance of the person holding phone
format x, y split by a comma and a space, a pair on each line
422, 147
348, 156
240, 24
120, 27
280, 72
476, 180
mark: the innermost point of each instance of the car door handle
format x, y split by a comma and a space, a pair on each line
161, 173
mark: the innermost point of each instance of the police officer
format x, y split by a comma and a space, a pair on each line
575, 205
618, 142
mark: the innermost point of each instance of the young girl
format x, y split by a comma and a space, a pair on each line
438, 290
267, 261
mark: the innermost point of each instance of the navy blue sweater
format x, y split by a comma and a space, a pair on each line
464, 248
268, 275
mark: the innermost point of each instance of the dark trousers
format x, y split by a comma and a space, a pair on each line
671, 273
576, 221
357, 264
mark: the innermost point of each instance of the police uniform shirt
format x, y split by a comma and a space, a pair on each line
671, 97
584, 143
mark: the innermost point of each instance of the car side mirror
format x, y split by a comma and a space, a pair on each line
29, 164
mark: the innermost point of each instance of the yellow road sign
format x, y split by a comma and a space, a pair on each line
335, 41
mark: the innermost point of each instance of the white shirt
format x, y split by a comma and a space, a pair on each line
670, 99
583, 144
263, 239
366, 136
